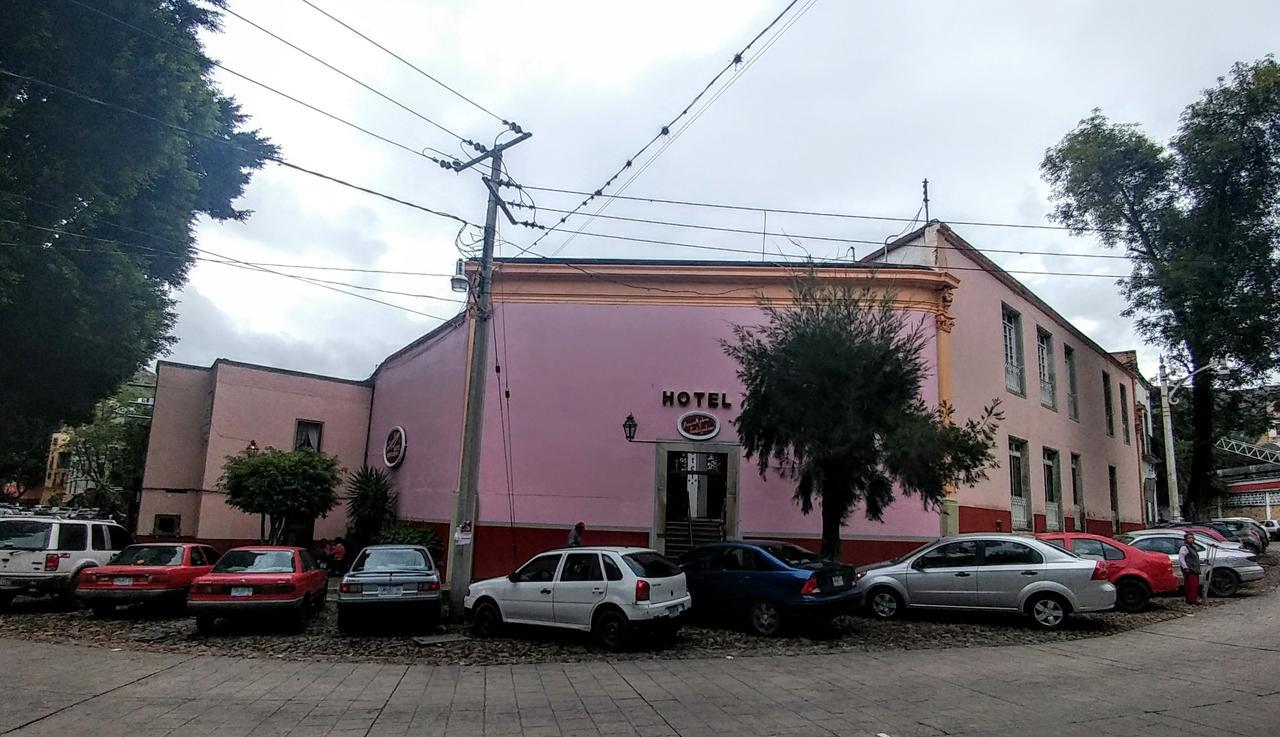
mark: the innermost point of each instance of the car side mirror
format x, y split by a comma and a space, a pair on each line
918, 564
511, 577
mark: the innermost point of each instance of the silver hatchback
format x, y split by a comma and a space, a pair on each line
993, 572
390, 581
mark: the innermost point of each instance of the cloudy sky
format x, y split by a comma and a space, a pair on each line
847, 111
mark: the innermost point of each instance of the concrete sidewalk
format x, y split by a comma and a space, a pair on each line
1217, 672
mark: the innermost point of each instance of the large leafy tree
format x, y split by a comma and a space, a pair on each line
1200, 220
81, 311
832, 401
281, 487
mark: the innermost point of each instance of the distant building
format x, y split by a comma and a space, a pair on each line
583, 344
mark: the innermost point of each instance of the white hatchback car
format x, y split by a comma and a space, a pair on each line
608, 591
45, 555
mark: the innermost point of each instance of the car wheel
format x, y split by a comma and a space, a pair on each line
6, 599
1224, 582
611, 629
103, 610
885, 603
766, 618
204, 624
488, 619
431, 618
1132, 595
1048, 611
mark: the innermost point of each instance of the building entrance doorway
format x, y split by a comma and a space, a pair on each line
696, 498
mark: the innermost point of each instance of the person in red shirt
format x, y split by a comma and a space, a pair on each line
338, 554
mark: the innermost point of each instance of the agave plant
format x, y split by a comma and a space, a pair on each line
371, 503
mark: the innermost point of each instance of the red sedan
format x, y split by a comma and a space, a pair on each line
259, 579
1137, 574
151, 573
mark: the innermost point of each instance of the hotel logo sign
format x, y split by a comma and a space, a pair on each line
394, 449
698, 425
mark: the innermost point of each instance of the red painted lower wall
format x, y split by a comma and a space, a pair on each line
501, 549
1130, 526
982, 519
1038, 523
1069, 524
1098, 526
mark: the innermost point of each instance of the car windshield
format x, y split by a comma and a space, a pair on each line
651, 565
1126, 539
793, 555
21, 534
392, 559
255, 561
150, 555
912, 552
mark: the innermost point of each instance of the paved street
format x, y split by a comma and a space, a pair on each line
1217, 673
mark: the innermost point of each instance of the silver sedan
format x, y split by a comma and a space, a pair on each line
391, 581
1231, 568
993, 572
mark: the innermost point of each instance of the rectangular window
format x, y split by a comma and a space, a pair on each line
1014, 372
1108, 409
167, 525
1077, 490
1115, 497
1019, 484
1124, 412
1048, 378
1052, 476
72, 536
1073, 399
308, 435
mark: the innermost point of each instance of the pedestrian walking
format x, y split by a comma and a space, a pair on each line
575, 535
1189, 561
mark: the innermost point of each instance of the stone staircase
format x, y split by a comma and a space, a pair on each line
680, 533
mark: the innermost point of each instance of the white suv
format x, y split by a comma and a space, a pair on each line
608, 591
45, 555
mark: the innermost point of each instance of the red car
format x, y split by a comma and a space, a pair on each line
1137, 574
259, 579
155, 573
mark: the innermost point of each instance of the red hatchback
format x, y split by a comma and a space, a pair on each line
259, 579
157, 573
1137, 574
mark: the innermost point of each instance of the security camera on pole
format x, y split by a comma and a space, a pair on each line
1167, 399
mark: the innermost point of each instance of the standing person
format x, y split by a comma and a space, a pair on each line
575, 535
338, 556
1189, 561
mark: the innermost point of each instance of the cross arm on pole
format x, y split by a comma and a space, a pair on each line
495, 150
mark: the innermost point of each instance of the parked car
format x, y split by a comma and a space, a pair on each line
392, 580
44, 556
154, 573
1137, 574
1235, 533
1231, 568
767, 584
1272, 527
608, 591
995, 572
1229, 542
1252, 526
259, 579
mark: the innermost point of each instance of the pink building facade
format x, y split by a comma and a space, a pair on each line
576, 348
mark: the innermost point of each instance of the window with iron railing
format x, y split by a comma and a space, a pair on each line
1048, 377
1014, 369
1108, 410
1073, 397
1124, 412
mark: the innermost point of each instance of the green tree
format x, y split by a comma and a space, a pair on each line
403, 533
1200, 221
107, 453
371, 504
80, 315
281, 486
832, 401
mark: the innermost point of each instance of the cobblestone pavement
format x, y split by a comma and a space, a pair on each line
1215, 672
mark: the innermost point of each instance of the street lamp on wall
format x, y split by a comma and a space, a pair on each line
629, 427
458, 282
252, 447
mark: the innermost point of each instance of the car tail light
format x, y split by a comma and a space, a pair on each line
429, 586
810, 587
350, 588
51, 561
202, 588
158, 578
642, 590
104, 579
1099, 571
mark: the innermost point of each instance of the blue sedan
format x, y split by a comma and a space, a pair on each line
768, 584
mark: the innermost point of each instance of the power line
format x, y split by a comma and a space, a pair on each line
788, 211
332, 116
331, 67
513, 127
269, 157
666, 129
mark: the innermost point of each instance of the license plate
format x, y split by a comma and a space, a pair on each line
122, 581
242, 591
390, 590
673, 610
837, 580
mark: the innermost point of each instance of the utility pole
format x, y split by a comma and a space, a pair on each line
925, 187
1170, 467
461, 552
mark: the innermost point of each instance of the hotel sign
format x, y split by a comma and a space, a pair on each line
394, 449
698, 425
710, 400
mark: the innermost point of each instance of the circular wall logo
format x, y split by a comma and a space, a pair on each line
393, 451
698, 425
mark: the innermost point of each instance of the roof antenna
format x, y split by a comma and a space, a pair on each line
926, 201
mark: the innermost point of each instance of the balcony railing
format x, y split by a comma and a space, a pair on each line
1013, 378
